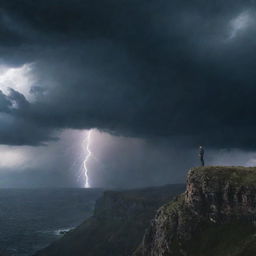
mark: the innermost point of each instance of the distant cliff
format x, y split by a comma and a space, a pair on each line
117, 226
216, 216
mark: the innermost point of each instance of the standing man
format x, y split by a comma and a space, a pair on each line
201, 155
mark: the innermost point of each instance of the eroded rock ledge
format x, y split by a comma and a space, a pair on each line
215, 216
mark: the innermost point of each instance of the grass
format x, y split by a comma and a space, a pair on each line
244, 176
230, 239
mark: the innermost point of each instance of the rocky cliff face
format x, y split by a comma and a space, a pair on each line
215, 216
117, 226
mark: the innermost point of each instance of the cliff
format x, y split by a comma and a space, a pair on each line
215, 216
117, 226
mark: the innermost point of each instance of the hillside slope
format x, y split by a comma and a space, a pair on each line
117, 226
215, 216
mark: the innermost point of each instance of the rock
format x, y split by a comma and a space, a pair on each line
117, 226
215, 216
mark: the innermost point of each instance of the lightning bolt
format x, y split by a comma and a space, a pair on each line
88, 154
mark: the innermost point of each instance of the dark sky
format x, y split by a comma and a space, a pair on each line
161, 77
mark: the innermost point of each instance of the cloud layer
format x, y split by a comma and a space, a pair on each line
148, 69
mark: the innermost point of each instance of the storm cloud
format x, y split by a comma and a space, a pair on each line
146, 69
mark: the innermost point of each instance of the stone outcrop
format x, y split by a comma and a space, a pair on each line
215, 216
117, 225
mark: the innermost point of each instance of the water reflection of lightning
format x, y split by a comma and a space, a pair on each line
86, 146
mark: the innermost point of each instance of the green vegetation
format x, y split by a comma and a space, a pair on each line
118, 224
230, 239
243, 176
175, 204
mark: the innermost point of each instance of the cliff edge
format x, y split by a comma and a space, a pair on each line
215, 216
117, 225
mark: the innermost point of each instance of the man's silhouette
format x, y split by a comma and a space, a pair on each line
201, 155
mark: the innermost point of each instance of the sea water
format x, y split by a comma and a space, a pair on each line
31, 219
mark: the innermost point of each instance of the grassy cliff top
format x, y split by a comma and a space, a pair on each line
244, 176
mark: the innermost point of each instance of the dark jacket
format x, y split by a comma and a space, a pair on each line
201, 152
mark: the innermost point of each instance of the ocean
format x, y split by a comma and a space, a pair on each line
31, 219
